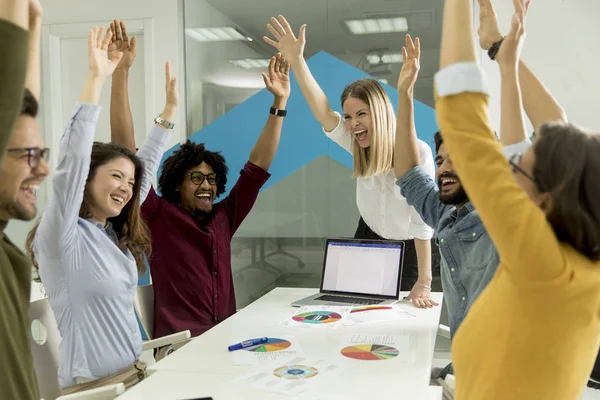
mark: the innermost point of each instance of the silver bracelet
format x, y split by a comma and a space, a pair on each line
425, 286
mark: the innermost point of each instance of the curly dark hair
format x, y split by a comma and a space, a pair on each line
189, 156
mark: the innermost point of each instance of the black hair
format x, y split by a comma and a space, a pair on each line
189, 156
437, 138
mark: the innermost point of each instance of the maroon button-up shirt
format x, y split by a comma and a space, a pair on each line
191, 257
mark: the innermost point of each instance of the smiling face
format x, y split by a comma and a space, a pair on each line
20, 182
451, 190
199, 189
111, 188
357, 117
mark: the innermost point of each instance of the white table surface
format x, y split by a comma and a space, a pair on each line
168, 385
207, 355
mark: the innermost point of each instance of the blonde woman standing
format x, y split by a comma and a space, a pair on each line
367, 130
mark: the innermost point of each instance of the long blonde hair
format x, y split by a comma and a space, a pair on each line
378, 157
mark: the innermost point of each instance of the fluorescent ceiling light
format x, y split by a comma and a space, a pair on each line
216, 34
250, 63
377, 25
388, 58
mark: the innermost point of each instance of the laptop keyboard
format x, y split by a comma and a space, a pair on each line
349, 300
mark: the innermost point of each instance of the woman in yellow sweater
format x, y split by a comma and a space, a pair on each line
534, 331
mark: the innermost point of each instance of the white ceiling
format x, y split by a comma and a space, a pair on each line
327, 31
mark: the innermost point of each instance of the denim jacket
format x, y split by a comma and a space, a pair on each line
468, 257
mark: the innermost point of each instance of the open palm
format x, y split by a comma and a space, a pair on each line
120, 42
278, 80
101, 63
285, 42
411, 63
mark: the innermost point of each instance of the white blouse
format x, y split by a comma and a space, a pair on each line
378, 197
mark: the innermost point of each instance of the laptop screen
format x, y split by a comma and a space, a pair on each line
363, 267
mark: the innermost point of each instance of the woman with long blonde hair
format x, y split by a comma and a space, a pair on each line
367, 130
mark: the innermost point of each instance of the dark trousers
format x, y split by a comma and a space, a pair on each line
410, 270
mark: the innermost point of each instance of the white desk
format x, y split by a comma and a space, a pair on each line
165, 385
208, 358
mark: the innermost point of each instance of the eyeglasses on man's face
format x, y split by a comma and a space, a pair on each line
198, 178
34, 154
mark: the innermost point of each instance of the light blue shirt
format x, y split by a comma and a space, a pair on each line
89, 281
468, 256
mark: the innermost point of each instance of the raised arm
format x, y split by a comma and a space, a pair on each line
406, 151
278, 83
158, 139
538, 102
121, 121
35, 32
292, 49
57, 227
518, 227
16, 12
13, 47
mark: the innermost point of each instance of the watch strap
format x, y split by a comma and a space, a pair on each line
278, 112
164, 123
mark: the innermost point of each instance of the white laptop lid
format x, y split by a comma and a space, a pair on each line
363, 267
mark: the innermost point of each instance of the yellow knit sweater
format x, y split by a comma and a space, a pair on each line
534, 332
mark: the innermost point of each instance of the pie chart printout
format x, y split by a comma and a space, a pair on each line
295, 372
317, 317
272, 345
370, 352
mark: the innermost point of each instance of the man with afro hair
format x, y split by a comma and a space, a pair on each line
191, 234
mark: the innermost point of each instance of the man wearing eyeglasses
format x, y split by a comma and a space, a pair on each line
191, 233
22, 169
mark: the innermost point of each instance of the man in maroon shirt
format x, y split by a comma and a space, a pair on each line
191, 237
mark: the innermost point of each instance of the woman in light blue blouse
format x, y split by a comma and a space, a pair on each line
91, 239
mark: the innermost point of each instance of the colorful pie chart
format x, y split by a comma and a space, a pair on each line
370, 352
317, 317
273, 344
295, 372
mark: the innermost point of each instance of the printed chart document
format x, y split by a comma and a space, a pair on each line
295, 376
318, 316
360, 347
375, 314
278, 348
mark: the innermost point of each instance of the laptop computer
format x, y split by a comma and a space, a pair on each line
359, 272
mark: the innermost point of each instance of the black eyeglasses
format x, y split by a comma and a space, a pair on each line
198, 178
514, 162
34, 154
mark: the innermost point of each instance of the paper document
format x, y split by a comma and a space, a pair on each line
360, 347
376, 314
291, 378
278, 348
318, 316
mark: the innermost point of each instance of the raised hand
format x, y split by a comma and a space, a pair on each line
120, 42
510, 50
489, 30
285, 42
411, 63
101, 64
172, 96
35, 12
278, 80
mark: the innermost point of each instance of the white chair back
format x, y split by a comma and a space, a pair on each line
144, 307
45, 352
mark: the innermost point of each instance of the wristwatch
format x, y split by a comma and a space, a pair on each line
164, 123
493, 51
278, 112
